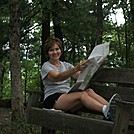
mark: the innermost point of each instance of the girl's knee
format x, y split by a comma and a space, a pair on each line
90, 90
83, 94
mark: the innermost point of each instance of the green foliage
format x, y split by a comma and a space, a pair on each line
78, 23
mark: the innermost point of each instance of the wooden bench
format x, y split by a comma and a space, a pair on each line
105, 82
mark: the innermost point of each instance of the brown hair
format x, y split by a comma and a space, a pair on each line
49, 43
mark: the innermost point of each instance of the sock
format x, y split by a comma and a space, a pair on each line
106, 112
104, 109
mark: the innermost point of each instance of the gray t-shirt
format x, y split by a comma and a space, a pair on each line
51, 87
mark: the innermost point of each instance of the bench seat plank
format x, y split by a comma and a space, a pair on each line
70, 123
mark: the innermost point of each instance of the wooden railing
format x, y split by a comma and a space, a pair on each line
105, 82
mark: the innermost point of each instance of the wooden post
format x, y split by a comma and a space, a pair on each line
45, 130
122, 117
33, 100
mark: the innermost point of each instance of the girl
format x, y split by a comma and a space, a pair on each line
56, 80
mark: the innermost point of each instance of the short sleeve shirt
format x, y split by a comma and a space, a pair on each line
51, 87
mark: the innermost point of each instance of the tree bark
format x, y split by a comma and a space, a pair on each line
132, 16
45, 35
15, 65
45, 31
56, 25
1, 70
99, 22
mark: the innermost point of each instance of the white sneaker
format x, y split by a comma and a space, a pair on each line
114, 98
108, 114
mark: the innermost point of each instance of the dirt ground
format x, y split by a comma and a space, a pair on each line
5, 123
5, 119
5, 116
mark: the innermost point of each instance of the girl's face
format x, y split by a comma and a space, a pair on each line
54, 52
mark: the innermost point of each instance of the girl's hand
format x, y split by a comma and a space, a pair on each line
81, 65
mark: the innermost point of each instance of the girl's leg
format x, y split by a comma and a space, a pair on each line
97, 97
68, 102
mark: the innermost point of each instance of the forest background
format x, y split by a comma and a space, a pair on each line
80, 24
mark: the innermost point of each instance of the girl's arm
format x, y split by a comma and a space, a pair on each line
73, 72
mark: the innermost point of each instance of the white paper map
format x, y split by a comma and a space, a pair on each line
95, 59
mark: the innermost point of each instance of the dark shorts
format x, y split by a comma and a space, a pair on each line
50, 100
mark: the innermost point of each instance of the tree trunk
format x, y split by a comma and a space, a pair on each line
1, 70
99, 22
15, 65
45, 35
45, 31
125, 12
56, 25
132, 16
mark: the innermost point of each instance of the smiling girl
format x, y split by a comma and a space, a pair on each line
56, 76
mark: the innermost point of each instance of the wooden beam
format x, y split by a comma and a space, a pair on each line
123, 112
119, 75
69, 123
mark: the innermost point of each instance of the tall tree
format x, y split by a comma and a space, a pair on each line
18, 115
132, 18
56, 23
99, 22
1, 70
45, 31
45, 35
126, 17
